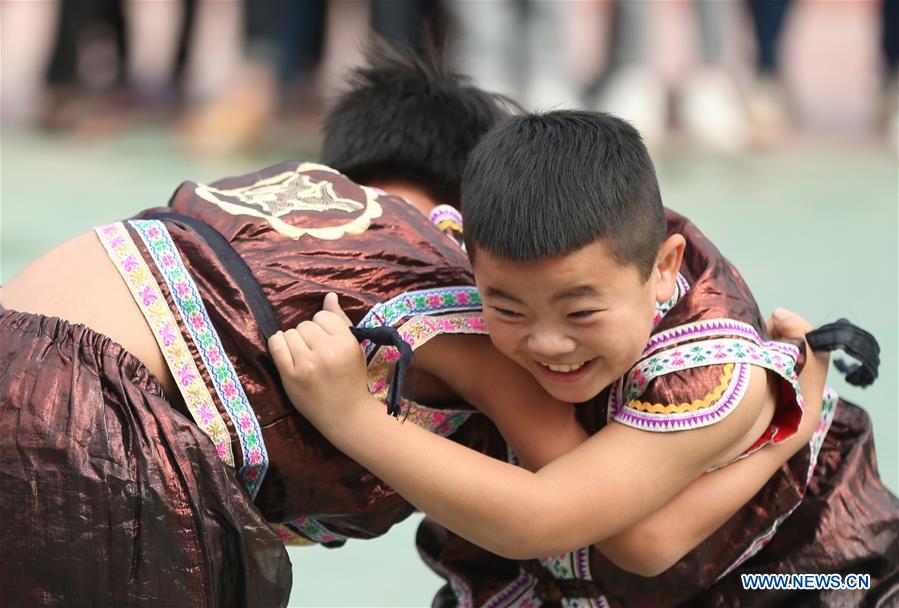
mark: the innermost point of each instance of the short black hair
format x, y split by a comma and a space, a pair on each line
408, 116
545, 185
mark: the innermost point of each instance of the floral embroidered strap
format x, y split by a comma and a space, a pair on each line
149, 298
417, 331
224, 377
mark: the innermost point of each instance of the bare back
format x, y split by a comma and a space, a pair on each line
77, 282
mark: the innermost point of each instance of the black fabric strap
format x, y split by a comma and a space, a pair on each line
238, 270
264, 313
855, 342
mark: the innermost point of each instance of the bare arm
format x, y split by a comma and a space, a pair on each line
536, 426
588, 494
540, 429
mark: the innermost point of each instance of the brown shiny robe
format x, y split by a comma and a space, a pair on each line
846, 520
398, 252
108, 497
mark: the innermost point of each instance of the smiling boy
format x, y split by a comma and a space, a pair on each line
604, 298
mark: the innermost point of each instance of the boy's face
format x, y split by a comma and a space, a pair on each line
575, 322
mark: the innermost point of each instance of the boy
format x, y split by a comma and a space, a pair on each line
653, 331
133, 363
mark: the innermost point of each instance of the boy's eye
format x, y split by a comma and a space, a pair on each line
507, 313
582, 314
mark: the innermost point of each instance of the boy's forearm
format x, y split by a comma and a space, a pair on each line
660, 540
489, 502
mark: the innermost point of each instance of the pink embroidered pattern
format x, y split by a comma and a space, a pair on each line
418, 331
707, 352
425, 302
681, 287
224, 377
130, 264
712, 328
710, 342
315, 531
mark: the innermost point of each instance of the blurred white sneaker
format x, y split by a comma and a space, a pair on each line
769, 115
637, 95
710, 111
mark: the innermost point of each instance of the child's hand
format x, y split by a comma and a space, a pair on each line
784, 323
322, 366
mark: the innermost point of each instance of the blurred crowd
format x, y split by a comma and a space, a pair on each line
725, 74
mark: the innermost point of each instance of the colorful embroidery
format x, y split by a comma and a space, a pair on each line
418, 331
689, 420
448, 220
289, 537
312, 529
149, 298
574, 565
681, 287
519, 593
445, 217
460, 589
224, 377
713, 328
726, 341
698, 404
708, 352
424, 302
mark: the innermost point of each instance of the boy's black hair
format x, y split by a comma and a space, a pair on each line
545, 185
409, 117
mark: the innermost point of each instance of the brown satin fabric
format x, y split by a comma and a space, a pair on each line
401, 251
848, 521
108, 497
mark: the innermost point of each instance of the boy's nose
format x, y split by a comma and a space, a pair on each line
549, 344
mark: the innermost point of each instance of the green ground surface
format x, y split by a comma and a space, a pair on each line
813, 228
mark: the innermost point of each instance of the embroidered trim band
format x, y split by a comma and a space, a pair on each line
698, 404
149, 298
713, 328
424, 302
224, 377
417, 332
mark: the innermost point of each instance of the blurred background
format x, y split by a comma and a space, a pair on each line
772, 123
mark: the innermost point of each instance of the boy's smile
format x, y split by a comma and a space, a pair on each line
576, 322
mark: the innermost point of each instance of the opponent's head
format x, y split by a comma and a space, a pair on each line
565, 227
408, 118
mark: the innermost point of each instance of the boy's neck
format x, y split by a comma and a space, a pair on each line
419, 196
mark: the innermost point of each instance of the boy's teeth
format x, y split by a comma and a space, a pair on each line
565, 368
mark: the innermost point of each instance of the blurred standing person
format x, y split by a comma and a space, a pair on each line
709, 107
87, 61
890, 46
767, 102
26, 39
113, 60
517, 48
283, 47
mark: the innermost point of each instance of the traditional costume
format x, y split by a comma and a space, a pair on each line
824, 511
95, 460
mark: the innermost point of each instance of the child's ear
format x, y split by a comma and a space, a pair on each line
667, 266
